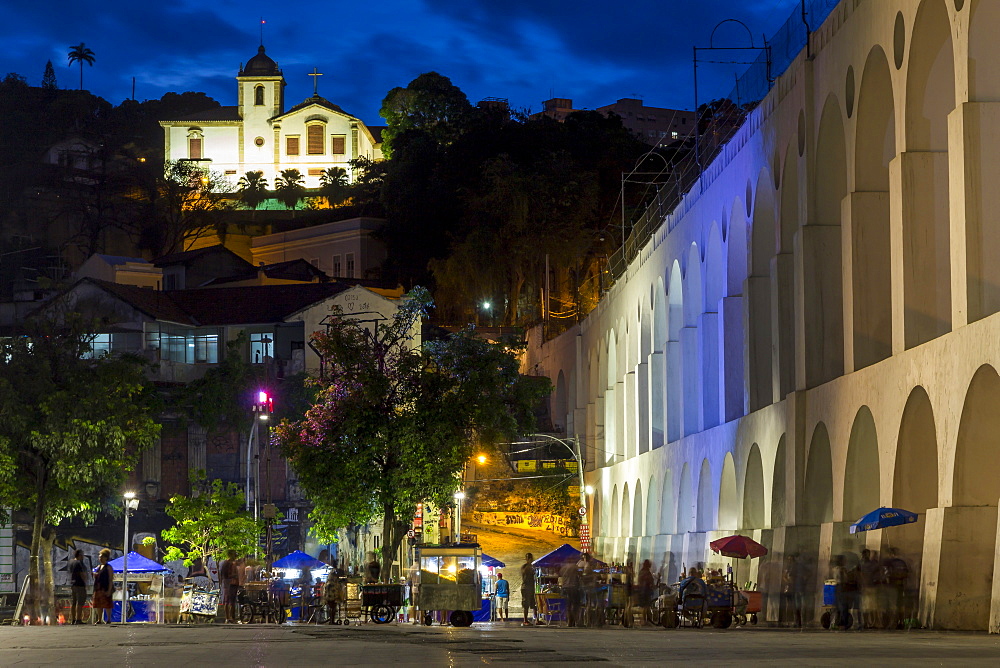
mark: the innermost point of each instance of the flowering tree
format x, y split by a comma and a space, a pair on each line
394, 423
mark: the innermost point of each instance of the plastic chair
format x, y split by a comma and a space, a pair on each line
554, 609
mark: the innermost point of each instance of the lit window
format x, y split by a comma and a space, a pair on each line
194, 148
99, 347
261, 349
674, 134
339, 144
292, 145
314, 137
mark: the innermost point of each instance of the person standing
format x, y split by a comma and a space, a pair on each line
229, 582
78, 578
528, 589
502, 597
103, 586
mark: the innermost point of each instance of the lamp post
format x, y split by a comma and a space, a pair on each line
131, 503
459, 495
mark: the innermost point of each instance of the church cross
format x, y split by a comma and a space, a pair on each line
315, 74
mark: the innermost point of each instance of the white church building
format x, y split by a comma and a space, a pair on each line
259, 135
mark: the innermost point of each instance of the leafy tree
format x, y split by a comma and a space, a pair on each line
430, 103
49, 78
253, 189
290, 187
394, 423
81, 54
333, 185
210, 522
71, 425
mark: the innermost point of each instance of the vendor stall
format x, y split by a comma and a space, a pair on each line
488, 569
300, 574
147, 600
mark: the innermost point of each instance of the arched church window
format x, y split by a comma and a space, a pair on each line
258, 95
195, 141
314, 134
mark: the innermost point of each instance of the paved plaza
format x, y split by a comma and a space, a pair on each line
397, 645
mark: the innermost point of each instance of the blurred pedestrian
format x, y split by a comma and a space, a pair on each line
229, 583
588, 588
799, 583
897, 575
78, 579
569, 584
846, 591
528, 590
869, 580
644, 589
104, 580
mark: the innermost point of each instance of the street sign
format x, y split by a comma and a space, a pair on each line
411, 533
583, 510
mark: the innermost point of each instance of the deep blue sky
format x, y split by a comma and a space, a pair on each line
523, 50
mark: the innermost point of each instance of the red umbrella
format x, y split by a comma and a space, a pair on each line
739, 547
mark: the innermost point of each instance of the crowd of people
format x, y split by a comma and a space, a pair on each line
870, 591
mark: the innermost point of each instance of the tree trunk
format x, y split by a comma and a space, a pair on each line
35, 591
49, 591
388, 527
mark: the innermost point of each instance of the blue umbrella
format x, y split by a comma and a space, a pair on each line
298, 560
492, 562
137, 564
882, 518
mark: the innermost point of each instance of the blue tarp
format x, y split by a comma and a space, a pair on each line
138, 564
298, 560
559, 556
492, 562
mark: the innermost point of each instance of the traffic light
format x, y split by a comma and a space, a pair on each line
264, 404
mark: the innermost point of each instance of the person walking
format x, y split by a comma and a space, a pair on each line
502, 597
528, 590
78, 579
897, 575
103, 586
229, 583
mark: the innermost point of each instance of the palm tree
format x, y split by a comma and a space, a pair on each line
81, 54
253, 189
290, 187
333, 185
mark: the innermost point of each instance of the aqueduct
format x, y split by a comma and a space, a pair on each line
814, 331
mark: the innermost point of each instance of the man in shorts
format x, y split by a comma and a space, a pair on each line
229, 581
502, 596
78, 578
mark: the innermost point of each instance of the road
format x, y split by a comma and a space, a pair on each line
406, 645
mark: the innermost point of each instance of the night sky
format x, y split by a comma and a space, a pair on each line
523, 50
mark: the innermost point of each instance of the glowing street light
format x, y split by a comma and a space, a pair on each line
459, 496
131, 504
481, 459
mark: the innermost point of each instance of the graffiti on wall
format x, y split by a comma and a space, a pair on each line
557, 524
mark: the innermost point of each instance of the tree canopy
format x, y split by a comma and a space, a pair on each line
210, 522
71, 424
394, 422
430, 103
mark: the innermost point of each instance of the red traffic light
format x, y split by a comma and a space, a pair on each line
265, 402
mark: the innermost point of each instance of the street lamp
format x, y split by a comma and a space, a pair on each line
131, 504
459, 495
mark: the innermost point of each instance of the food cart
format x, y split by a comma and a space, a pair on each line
300, 598
448, 580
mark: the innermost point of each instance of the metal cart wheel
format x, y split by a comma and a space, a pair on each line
722, 619
247, 613
381, 614
461, 618
428, 618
